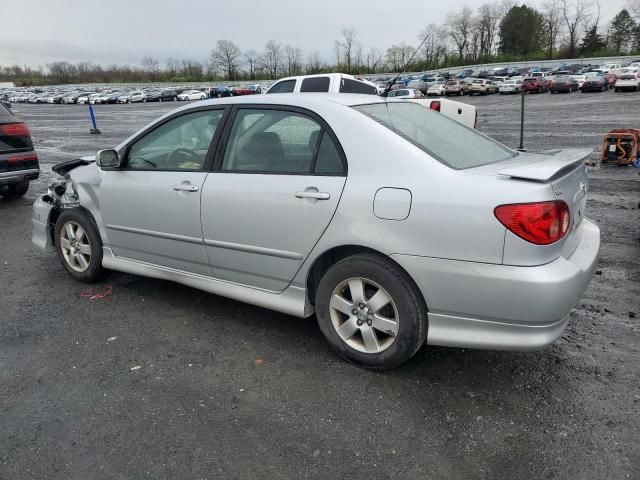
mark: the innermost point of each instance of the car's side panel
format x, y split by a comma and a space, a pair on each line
257, 231
146, 219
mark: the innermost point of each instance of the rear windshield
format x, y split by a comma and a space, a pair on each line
444, 139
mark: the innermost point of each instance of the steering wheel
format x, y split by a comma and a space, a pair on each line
193, 156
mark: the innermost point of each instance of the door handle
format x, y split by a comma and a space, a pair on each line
186, 187
315, 195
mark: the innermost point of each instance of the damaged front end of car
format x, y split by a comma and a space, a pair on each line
60, 195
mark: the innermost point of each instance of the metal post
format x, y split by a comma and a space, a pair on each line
95, 129
521, 147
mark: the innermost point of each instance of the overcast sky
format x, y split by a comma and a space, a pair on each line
36, 32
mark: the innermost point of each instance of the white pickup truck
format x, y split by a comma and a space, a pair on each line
343, 83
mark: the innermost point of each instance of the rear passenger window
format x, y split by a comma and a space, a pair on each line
354, 86
286, 86
328, 161
315, 84
271, 141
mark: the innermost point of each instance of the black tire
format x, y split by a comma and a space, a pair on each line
411, 309
94, 270
175, 99
16, 190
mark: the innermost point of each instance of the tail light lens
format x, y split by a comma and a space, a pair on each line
15, 130
30, 157
541, 223
435, 105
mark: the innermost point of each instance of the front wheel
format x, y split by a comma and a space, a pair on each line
371, 312
78, 245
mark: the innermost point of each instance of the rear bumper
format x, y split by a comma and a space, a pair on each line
7, 178
40, 235
503, 307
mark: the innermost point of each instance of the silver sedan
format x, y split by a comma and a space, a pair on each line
391, 222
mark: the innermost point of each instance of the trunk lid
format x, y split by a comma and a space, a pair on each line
565, 172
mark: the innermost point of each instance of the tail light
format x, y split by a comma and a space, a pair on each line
15, 130
541, 223
435, 105
30, 157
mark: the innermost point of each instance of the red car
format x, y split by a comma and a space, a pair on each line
245, 90
534, 85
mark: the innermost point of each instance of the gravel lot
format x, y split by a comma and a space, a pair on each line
227, 390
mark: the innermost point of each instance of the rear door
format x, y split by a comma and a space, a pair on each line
272, 194
151, 206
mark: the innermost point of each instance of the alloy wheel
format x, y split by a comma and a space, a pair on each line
75, 246
364, 315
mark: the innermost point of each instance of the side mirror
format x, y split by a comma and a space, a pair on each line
108, 159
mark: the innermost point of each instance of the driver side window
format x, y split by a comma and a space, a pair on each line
180, 144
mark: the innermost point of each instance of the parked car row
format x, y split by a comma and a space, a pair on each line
83, 96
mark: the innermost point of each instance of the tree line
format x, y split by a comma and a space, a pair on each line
496, 31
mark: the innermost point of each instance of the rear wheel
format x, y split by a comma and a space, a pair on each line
16, 190
78, 245
371, 312
175, 99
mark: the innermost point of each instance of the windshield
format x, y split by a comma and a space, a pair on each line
444, 139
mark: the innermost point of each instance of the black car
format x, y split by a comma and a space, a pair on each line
18, 161
219, 92
162, 96
113, 97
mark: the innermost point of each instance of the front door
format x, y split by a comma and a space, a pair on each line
151, 205
272, 196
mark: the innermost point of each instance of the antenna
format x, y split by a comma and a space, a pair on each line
408, 62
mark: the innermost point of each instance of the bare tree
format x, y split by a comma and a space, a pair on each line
337, 51
634, 8
293, 60
374, 59
357, 57
314, 63
487, 22
271, 58
347, 44
151, 66
552, 17
435, 46
460, 26
226, 55
574, 15
251, 57
172, 66
397, 56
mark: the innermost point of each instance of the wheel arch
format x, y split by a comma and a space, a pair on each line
324, 261
56, 212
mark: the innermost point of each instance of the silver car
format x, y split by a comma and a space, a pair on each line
391, 222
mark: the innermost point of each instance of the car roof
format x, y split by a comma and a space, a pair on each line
303, 100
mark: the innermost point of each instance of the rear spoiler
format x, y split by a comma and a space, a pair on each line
550, 164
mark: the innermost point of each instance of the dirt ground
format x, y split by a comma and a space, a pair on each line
228, 390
